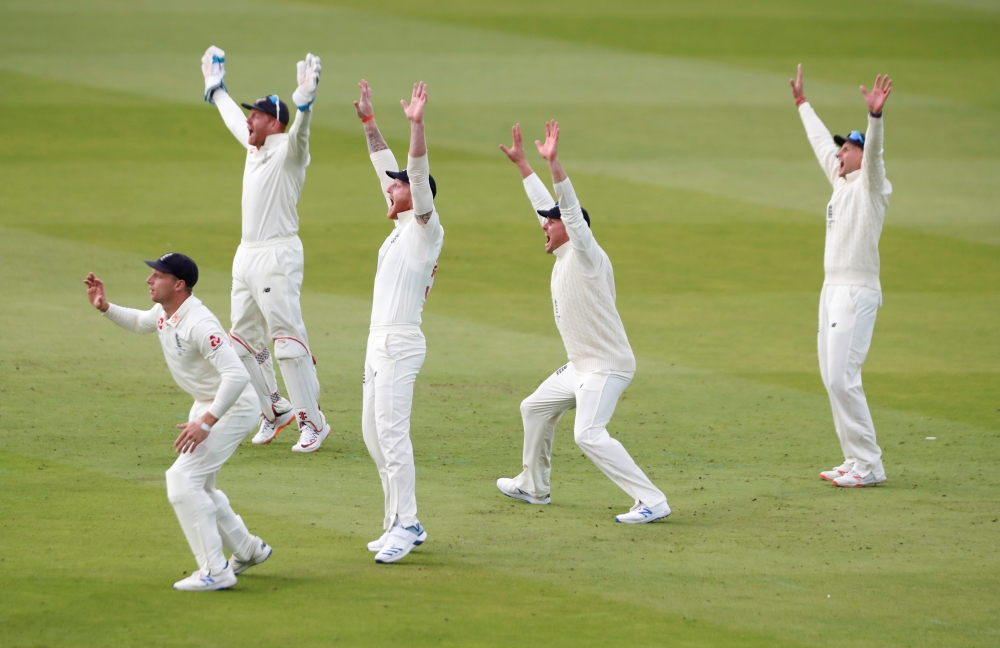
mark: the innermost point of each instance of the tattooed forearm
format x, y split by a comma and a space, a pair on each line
423, 218
375, 141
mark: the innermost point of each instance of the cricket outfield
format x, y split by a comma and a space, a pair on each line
680, 134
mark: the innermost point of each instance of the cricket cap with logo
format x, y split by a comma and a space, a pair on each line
179, 265
854, 137
557, 214
272, 106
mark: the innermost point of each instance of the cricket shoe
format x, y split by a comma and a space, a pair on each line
399, 542
311, 439
640, 513
854, 479
842, 469
509, 488
375, 546
262, 551
269, 429
205, 581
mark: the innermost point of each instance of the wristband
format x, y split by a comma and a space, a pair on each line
876, 116
800, 101
368, 118
205, 426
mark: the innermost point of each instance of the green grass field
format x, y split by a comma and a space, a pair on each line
681, 137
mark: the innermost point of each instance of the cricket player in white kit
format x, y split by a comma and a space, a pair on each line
202, 361
601, 363
268, 267
851, 293
407, 263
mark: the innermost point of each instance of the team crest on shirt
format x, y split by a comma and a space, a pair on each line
214, 340
159, 324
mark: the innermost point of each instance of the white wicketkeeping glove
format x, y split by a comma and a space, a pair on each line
213, 66
308, 76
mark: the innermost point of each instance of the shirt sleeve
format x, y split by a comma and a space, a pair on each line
235, 120
821, 140
215, 346
538, 195
872, 165
580, 236
298, 136
133, 319
384, 161
418, 169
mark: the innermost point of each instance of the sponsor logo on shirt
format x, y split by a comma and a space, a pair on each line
159, 324
829, 216
214, 340
177, 339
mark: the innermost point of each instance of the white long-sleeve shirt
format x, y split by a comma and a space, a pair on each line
196, 348
583, 288
856, 212
407, 260
274, 174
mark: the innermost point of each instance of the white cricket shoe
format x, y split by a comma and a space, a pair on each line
842, 469
854, 479
262, 551
399, 542
204, 581
311, 439
509, 488
640, 513
375, 546
269, 429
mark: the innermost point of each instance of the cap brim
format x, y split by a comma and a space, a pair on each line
840, 141
162, 267
551, 213
399, 175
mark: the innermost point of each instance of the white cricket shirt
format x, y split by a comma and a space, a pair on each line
856, 212
196, 348
407, 260
274, 173
583, 288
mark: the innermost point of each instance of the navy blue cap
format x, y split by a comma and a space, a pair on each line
855, 138
179, 265
272, 106
402, 175
555, 213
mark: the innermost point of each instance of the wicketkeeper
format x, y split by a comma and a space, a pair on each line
202, 361
407, 263
268, 268
601, 363
851, 293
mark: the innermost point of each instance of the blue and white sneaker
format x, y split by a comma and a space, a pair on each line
640, 513
205, 581
399, 542
262, 551
375, 546
509, 488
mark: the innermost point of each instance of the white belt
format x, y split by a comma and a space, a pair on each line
396, 328
285, 240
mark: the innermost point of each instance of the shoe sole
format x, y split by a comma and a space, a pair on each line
397, 557
270, 550
645, 521
316, 444
205, 589
276, 433
825, 478
416, 543
526, 498
858, 485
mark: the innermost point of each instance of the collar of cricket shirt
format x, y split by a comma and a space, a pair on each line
273, 140
188, 304
853, 175
561, 251
402, 218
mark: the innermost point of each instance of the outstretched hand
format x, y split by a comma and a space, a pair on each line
880, 92
796, 84
550, 149
516, 150
415, 109
95, 292
364, 105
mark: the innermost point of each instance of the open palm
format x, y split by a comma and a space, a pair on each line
550, 149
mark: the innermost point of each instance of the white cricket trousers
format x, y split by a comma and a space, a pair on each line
846, 322
595, 395
392, 362
208, 521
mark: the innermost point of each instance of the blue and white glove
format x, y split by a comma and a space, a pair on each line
213, 66
308, 76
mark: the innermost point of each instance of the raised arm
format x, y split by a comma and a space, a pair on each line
213, 67
533, 185
819, 136
580, 236
378, 150
307, 74
132, 319
417, 166
872, 165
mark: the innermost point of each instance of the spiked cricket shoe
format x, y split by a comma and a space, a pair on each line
311, 439
205, 581
509, 488
269, 429
842, 469
262, 551
854, 479
375, 546
640, 513
399, 543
